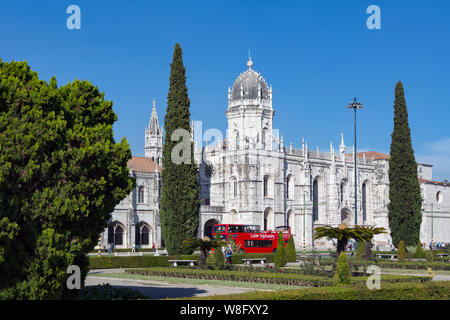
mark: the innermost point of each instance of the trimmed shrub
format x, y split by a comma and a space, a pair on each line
401, 252
419, 251
280, 255
146, 261
219, 259
360, 250
397, 291
263, 277
291, 254
342, 274
429, 256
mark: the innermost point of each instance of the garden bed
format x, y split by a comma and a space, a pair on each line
110, 262
284, 278
396, 291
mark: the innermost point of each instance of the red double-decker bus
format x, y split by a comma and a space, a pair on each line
250, 238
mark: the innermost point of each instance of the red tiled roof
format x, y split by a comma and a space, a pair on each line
373, 154
380, 156
142, 164
441, 183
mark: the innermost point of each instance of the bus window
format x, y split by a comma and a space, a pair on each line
258, 243
235, 228
251, 228
218, 228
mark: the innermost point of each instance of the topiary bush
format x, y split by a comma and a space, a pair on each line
360, 250
401, 252
291, 254
419, 251
342, 274
280, 258
219, 259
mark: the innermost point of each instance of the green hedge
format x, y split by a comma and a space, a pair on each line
412, 265
398, 291
263, 277
127, 250
145, 261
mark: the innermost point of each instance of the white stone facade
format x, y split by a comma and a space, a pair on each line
253, 178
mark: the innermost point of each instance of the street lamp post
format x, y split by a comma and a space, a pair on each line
355, 105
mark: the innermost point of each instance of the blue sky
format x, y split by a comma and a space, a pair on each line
317, 55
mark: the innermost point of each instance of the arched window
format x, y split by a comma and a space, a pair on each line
142, 234
364, 205
115, 234
268, 219
439, 197
118, 232
141, 194
315, 200
237, 139
264, 138
342, 191
266, 186
290, 187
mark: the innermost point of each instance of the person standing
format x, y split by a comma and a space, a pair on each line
228, 254
133, 248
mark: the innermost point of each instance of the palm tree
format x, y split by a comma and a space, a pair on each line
342, 233
205, 244
368, 233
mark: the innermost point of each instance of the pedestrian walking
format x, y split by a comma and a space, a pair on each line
228, 254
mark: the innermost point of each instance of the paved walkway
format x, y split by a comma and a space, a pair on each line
160, 289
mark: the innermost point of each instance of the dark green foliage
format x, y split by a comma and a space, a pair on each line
405, 203
360, 250
395, 291
280, 258
401, 252
110, 262
291, 254
419, 251
180, 191
205, 245
258, 276
342, 273
219, 259
61, 175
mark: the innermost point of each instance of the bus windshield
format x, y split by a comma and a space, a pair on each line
282, 228
219, 228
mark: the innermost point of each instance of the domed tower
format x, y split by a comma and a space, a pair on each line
250, 112
154, 138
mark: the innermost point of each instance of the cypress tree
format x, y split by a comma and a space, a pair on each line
401, 252
180, 190
280, 258
404, 191
219, 259
291, 254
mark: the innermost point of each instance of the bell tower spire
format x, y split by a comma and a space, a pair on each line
154, 137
